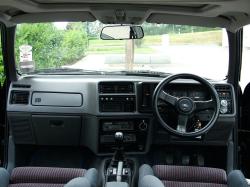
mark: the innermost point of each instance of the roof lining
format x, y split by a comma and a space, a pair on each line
211, 11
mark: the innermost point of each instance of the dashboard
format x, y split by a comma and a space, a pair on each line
86, 110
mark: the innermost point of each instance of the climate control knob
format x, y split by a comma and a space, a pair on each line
223, 110
143, 125
224, 103
223, 106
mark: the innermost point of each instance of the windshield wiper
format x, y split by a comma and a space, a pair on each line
62, 71
147, 73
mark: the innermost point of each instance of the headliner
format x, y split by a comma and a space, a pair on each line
229, 14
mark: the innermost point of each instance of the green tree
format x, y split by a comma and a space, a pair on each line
73, 46
158, 29
45, 40
52, 47
2, 73
74, 42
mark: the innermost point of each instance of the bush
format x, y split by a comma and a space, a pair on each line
52, 47
73, 45
2, 73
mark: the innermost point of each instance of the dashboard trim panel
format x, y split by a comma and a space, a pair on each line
90, 114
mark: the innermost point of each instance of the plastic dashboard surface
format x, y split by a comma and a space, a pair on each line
75, 94
71, 110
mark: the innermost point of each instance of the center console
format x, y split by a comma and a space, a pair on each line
135, 132
119, 170
119, 98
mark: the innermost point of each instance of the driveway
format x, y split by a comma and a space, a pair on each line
207, 61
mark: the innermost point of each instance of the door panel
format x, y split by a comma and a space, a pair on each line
244, 128
244, 133
2, 100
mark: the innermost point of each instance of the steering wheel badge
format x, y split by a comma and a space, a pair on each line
185, 105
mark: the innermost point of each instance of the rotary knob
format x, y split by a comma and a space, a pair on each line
143, 126
223, 106
223, 110
224, 103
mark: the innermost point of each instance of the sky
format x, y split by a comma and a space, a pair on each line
61, 25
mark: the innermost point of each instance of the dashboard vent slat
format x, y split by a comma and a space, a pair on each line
116, 87
19, 97
21, 86
221, 88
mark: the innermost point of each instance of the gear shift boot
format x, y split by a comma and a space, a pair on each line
119, 169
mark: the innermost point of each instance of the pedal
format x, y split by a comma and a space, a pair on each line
170, 159
200, 160
185, 160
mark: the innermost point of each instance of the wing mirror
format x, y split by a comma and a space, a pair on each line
121, 32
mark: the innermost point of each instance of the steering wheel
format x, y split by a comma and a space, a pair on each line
186, 106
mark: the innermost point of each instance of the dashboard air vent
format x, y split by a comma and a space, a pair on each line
146, 91
19, 97
226, 100
21, 86
116, 87
222, 88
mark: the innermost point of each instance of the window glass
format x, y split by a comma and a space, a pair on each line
47, 47
2, 74
245, 68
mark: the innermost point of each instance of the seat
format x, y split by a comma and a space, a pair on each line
188, 176
48, 177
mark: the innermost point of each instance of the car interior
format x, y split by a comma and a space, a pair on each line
164, 126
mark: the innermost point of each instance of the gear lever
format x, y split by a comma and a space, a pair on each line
119, 138
118, 155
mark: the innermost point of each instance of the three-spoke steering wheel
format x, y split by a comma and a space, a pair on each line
186, 106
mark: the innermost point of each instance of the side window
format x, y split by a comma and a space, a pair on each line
245, 69
2, 74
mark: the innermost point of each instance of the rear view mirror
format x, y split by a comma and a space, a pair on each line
121, 32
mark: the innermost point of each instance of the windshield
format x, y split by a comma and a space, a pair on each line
165, 48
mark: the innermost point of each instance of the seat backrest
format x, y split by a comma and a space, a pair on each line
44, 175
190, 174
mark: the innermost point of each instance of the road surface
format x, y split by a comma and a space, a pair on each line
207, 61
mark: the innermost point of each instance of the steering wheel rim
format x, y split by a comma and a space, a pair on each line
186, 105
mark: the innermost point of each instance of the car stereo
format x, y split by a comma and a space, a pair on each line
135, 134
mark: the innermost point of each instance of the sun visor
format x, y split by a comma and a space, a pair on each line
53, 17
189, 20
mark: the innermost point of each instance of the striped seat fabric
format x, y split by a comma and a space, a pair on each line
43, 176
36, 185
188, 176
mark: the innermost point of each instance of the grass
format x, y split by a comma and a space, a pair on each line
118, 50
99, 42
118, 46
209, 37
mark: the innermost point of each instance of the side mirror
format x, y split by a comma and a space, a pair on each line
121, 32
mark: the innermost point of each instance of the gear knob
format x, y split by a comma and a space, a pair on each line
119, 137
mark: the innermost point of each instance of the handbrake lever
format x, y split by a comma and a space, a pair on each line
119, 171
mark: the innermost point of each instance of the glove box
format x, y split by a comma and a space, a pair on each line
57, 130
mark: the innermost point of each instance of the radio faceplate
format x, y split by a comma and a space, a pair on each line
135, 134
